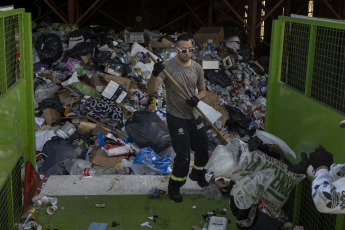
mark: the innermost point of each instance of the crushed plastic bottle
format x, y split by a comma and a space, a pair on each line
99, 171
211, 192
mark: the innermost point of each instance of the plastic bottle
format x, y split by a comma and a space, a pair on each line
99, 171
211, 192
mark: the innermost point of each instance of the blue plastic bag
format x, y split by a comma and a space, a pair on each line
149, 158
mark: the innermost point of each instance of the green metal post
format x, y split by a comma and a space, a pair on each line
297, 204
3, 79
10, 207
274, 72
311, 56
340, 222
27, 66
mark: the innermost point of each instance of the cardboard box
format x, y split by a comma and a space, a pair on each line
206, 33
124, 82
132, 37
115, 92
100, 159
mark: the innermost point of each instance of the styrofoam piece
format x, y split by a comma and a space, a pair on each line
112, 185
137, 48
212, 114
210, 64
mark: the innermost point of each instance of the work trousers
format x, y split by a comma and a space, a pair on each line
187, 135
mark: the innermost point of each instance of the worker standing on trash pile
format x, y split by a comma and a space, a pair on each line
185, 124
328, 187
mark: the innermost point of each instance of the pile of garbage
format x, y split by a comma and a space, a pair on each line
93, 115
91, 102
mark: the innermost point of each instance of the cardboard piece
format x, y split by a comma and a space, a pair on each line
101, 160
66, 95
86, 127
124, 82
51, 115
98, 82
165, 43
100, 130
214, 33
87, 58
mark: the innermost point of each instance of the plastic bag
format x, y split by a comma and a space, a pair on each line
268, 138
58, 150
211, 192
147, 130
218, 77
237, 122
116, 148
168, 152
248, 190
41, 137
85, 89
76, 166
235, 161
149, 158
44, 91
82, 49
224, 159
49, 48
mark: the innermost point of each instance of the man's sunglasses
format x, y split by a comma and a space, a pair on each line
190, 50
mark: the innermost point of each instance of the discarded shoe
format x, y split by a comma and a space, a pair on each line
175, 196
200, 179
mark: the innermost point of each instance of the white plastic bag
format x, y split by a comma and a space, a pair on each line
224, 159
249, 189
269, 138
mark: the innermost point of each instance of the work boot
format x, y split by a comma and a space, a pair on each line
175, 196
200, 179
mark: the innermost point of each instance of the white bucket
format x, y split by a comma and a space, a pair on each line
66, 130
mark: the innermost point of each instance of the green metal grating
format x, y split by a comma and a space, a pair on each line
9, 52
295, 55
310, 218
305, 101
328, 82
11, 201
322, 50
16, 109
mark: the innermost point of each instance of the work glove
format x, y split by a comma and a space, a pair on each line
158, 67
192, 101
321, 158
301, 167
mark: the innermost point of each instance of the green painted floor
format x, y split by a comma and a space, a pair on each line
130, 211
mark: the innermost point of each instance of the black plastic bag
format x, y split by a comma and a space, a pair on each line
218, 77
49, 48
238, 122
82, 49
246, 52
58, 150
51, 103
147, 130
